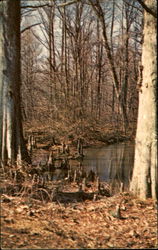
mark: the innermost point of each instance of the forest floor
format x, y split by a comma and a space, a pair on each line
75, 220
90, 134
78, 223
62, 215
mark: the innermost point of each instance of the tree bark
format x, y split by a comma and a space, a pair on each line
144, 180
13, 148
1, 73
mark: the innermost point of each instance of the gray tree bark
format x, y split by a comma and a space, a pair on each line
13, 149
144, 181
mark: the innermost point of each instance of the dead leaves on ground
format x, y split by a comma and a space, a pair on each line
28, 223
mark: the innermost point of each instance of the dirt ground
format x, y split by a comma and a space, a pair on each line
75, 220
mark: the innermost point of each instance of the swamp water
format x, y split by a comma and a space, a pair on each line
112, 163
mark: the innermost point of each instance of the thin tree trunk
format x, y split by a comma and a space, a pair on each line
111, 40
99, 12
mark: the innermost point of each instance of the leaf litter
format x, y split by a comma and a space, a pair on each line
30, 223
59, 214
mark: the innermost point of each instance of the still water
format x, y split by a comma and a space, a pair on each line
113, 163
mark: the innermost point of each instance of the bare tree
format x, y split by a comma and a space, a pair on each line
80, 66
30, 51
144, 181
13, 148
120, 76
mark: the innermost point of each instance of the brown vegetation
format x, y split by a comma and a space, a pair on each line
79, 86
40, 213
29, 223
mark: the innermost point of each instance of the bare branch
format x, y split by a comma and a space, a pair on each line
132, 5
48, 5
35, 6
40, 40
29, 27
67, 3
145, 7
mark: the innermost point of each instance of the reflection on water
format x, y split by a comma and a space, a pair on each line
113, 163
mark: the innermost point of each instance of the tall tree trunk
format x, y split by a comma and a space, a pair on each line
144, 181
112, 52
13, 148
1, 72
99, 57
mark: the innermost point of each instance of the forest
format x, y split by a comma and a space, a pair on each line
78, 124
